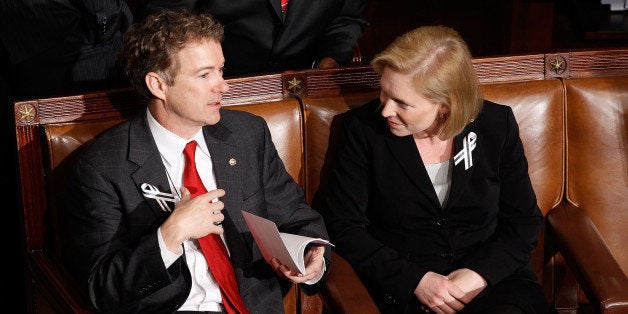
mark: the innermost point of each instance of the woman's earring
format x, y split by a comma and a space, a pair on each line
442, 116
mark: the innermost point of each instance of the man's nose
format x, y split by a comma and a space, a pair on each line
222, 86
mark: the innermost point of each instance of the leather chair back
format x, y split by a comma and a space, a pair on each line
597, 156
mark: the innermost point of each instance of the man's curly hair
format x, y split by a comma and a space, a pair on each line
150, 45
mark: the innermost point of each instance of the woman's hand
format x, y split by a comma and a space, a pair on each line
440, 294
470, 282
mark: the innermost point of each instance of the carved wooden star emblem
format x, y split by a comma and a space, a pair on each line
294, 85
27, 113
558, 65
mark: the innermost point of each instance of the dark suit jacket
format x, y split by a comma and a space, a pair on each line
258, 40
113, 243
383, 214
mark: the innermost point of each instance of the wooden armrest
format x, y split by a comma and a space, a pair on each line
589, 258
57, 286
343, 291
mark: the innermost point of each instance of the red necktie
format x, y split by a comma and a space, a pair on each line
212, 246
284, 5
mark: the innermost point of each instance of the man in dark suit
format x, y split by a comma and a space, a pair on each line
138, 227
260, 38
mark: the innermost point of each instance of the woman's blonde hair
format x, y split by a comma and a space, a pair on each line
442, 69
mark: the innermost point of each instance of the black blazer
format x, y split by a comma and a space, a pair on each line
384, 217
258, 40
113, 245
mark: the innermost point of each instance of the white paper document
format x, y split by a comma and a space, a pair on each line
288, 248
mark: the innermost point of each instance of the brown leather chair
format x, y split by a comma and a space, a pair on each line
590, 228
539, 110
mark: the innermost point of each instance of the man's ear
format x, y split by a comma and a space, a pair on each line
156, 84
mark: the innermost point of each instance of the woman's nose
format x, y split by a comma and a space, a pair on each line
387, 109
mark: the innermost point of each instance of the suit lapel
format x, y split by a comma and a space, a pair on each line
467, 152
226, 162
276, 4
143, 152
405, 152
225, 156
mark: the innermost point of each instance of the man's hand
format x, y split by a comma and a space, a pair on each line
193, 218
327, 63
314, 262
440, 294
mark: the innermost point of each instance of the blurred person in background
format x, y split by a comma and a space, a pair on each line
265, 36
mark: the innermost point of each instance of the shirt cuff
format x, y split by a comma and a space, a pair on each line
167, 256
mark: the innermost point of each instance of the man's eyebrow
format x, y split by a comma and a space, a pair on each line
204, 69
211, 67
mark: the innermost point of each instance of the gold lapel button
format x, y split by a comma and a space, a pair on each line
232, 162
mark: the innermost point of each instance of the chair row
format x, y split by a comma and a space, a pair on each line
571, 113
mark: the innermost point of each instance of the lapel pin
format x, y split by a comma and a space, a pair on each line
232, 162
151, 191
468, 145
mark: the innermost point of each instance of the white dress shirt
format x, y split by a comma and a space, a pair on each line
205, 294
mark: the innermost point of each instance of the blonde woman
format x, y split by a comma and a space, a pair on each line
430, 198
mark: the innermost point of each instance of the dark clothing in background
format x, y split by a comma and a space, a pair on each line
49, 48
258, 40
64, 46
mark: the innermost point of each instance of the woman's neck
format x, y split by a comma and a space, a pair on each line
433, 150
